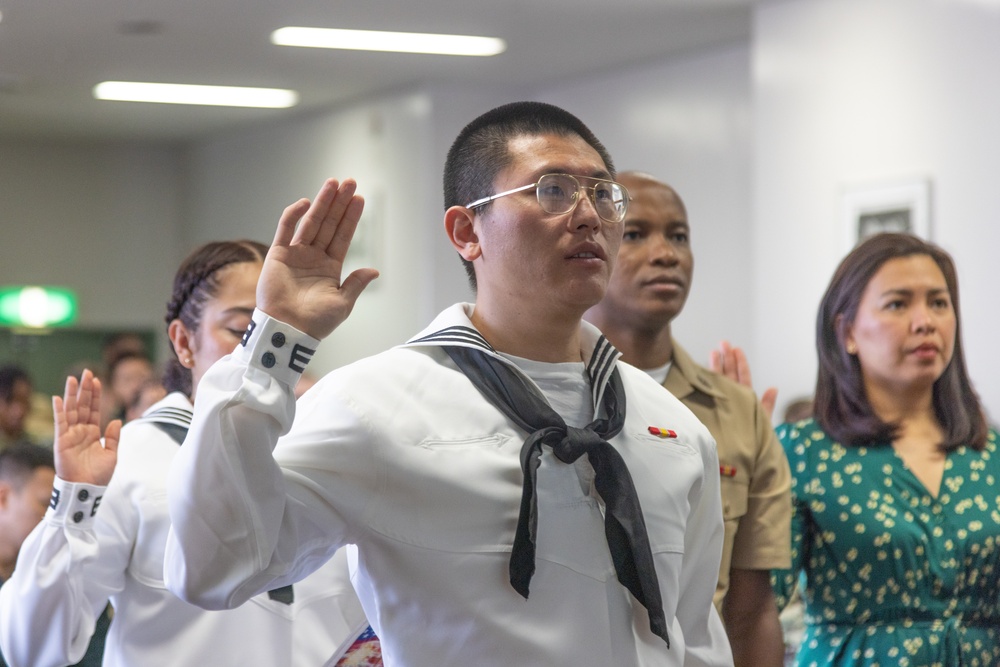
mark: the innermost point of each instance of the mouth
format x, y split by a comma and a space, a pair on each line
664, 281
925, 350
591, 251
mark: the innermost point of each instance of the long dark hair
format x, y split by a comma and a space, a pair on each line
842, 408
196, 282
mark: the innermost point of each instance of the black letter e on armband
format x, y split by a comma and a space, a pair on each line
301, 356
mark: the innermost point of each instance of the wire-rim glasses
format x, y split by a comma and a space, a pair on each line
560, 193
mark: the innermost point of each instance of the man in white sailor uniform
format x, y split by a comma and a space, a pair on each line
517, 496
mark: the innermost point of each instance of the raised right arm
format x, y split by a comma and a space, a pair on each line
71, 563
239, 523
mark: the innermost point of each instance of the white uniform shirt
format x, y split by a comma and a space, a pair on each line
108, 543
400, 455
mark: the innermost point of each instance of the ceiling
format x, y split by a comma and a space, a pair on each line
52, 52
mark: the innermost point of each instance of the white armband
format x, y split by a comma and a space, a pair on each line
277, 348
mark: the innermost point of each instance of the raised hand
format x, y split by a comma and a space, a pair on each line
79, 454
300, 282
732, 362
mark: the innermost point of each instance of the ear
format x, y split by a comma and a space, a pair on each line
845, 334
182, 341
5, 493
459, 225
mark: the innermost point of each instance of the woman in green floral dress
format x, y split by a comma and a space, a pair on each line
896, 482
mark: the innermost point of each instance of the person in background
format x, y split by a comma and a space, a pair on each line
15, 405
26, 475
104, 534
588, 554
798, 409
646, 293
126, 375
732, 362
896, 478
151, 392
121, 343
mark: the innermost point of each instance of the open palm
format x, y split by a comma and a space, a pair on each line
732, 362
79, 454
300, 282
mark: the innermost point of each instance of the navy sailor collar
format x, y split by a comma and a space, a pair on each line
172, 415
454, 327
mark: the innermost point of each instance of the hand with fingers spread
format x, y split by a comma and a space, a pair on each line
732, 362
79, 454
300, 282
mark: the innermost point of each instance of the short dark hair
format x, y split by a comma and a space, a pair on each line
120, 342
19, 462
481, 150
122, 357
841, 406
196, 282
10, 375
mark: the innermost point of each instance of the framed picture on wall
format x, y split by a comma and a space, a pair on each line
902, 206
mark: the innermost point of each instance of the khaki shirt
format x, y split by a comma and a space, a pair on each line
756, 501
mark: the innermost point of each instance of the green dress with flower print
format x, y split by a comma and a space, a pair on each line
892, 575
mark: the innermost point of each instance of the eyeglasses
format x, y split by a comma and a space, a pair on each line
560, 193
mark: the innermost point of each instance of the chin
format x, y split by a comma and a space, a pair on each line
658, 308
583, 298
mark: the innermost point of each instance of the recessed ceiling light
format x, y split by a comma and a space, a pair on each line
141, 27
179, 93
399, 42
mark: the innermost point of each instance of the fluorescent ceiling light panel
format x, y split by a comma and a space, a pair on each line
179, 93
399, 42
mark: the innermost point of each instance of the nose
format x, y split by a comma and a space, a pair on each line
923, 320
661, 250
584, 213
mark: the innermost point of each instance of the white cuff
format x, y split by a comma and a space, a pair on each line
74, 503
276, 348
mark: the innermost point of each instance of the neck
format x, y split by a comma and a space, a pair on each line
902, 406
7, 561
644, 348
515, 329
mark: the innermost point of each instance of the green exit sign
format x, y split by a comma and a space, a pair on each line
37, 307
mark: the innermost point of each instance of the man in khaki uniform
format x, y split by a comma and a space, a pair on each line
648, 288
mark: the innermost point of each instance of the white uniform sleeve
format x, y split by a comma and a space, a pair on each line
704, 634
67, 568
240, 525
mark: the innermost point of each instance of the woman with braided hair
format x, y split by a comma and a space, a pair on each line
104, 535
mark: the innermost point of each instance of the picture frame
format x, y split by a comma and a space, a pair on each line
901, 206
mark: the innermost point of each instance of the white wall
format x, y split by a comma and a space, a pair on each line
760, 140
454, 108
100, 218
859, 91
687, 121
237, 185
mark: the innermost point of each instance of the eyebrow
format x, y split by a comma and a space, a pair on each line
644, 222
238, 310
909, 292
603, 174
